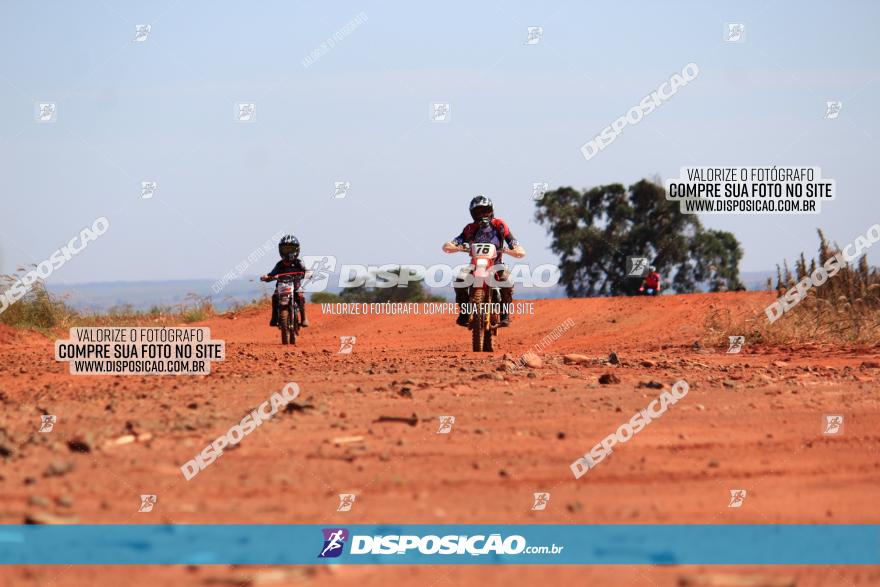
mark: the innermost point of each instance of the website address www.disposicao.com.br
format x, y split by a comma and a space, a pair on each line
335, 540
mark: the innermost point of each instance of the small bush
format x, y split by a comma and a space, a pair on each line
325, 297
255, 304
40, 310
845, 309
196, 309
36, 309
415, 291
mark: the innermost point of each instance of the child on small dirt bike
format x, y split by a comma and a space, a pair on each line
288, 248
651, 283
485, 228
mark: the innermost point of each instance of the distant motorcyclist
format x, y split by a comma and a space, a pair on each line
651, 283
288, 248
485, 228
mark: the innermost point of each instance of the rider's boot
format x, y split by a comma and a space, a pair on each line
462, 298
274, 320
303, 321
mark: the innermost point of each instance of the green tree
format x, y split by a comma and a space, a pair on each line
595, 231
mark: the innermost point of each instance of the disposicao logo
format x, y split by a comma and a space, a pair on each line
334, 541
432, 544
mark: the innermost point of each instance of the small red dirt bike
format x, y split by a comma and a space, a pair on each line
484, 298
288, 306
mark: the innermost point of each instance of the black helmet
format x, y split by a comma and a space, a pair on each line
479, 208
288, 247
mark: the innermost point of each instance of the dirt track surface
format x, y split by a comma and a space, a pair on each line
750, 421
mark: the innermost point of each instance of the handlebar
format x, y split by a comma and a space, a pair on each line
465, 248
277, 275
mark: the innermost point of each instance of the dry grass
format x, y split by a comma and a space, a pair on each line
844, 310
45, 312
38, 309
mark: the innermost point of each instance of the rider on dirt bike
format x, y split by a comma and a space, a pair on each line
485, 228
651, 282
288, 248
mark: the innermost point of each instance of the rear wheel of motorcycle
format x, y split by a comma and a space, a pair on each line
477, 324
284, 321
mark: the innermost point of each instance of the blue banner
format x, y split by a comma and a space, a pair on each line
270, 544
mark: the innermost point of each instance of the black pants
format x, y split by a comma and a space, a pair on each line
300, 301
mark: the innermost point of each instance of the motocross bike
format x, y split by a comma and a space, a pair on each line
288, 306
484, 300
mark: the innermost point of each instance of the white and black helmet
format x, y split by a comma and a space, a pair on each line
481, 209
288, 247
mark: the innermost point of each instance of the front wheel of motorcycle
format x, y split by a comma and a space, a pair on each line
487, 341
477, 323
284, 322
294, 322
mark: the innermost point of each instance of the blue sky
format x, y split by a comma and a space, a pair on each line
163, 110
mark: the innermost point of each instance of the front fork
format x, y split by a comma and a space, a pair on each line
489, 299
292, 307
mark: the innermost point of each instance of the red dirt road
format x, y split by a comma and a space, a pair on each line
750, 421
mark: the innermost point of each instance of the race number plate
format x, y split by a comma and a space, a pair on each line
483, 250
